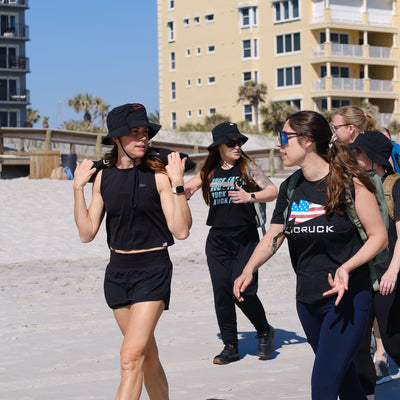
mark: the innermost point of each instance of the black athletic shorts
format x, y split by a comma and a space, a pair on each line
136, 278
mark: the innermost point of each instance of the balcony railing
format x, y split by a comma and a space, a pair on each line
15, 2
383, 119
378, 85
348, 84
346, 50
15, 95
380, 19
380, 52
353, 51
19, 31
21, 63
347, 17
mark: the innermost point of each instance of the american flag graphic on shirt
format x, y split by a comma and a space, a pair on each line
304, 211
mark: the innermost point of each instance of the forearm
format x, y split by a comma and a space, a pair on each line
266, 195
182, 218
394, 266
82, 218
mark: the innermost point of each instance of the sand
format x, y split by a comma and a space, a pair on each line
58, 339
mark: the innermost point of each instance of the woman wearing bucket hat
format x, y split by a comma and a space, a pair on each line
373, 150
146, 206
229, 181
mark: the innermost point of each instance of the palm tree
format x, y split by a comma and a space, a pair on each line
32, 116
275, 114
45, 122
100, 109
154, 117
254, 93
82, 102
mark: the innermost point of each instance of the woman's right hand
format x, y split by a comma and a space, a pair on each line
241, 284
83, 173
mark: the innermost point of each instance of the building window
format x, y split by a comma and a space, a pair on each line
342, 38
286, 10
248, 17
250, 49
198, 81
196, 19
186, 21
172, 61
173, 120
189, 113
209, 17
336, 71
199, 112
210, 49
255, 76
288, 43
336, 103
248, 115
187, 52
198, 51
171, 31
189, 83
289, 76
173, 90
8, 119
211, 80
171, 4
212, 111
250, 76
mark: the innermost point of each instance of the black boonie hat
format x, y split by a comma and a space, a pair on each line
222, 133
376, 145
123, 118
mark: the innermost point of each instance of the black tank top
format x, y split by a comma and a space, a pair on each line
129, 228
223, 212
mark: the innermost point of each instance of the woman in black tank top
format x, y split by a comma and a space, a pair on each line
230, 183
146, 206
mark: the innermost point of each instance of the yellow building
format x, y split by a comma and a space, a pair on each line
315, 54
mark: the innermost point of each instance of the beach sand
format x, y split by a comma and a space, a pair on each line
59, 340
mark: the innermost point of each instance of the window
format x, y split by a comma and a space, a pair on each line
189, 113
199, 112
186, 21
171, 4
286, 10
210, 49
211, 80
171, 31
336, 103
187, 52
198, 51
248, 17
289, 76
9, 59
173, 91
342, 38
198, 81
8, 118
288, 43
209, 17
173, 120
188, 83
249, 51
8, 91
172, 61
212, 111
196, 19
250, 76
336, 71
248, 115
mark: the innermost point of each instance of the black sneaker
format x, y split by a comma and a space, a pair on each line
229, 354
265, 343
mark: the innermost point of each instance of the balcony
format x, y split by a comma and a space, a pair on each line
16, 32
352, 51
348, 84
376, 86
15, 63
18, 3
15, 95
383, 86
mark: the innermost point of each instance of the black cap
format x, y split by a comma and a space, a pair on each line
123, 118
222, 133
376, 145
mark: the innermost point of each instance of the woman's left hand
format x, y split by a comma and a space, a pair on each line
239, 196
339, 284
175, 168
388, 282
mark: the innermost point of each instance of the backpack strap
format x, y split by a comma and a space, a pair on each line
388, 184
292, 183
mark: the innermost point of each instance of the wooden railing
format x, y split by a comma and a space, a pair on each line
51, 136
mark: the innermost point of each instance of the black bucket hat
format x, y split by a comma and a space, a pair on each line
123, 118
376, 145
222, 133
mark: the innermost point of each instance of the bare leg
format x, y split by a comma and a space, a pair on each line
137, 324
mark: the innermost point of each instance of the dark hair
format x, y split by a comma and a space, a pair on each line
213, 160
343, 166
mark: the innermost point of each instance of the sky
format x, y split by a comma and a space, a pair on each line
105, 48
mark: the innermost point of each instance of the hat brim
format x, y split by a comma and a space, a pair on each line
225, 140
374, 157
125, 130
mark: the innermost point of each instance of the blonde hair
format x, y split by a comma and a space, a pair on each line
356, 116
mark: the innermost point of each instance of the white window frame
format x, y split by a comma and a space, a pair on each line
211, 49
290, 11
211, 80
187, 52
199, 112
198, 51
209, 17
173, 91
196, 19
171, 4
248, 113
171, 30
212, 111
252, 16
188, 83
173, 120
252, 49
189, 113
186, 21
293, 75
172, 61
292, 42
198, 81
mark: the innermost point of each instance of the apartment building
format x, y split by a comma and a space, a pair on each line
14, 65
315, 54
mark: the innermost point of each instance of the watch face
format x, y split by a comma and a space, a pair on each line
253, 196
180, 189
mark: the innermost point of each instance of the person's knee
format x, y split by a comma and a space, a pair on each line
132, 360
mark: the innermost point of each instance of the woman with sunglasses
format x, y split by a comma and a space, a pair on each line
333, 293
349, 121
230, 183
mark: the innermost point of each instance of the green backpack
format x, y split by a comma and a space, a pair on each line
380, 197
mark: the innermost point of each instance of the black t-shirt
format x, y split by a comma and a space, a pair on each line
317, 246
392, 233
223, 213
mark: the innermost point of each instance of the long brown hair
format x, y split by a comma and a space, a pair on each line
213, 160
343, 166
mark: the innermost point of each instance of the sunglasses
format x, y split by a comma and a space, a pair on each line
336, 127
233, 143
283, 137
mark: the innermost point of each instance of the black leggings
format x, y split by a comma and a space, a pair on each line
386, 309
228, 251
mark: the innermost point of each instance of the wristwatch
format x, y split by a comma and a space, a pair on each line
253, 197
178, 189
